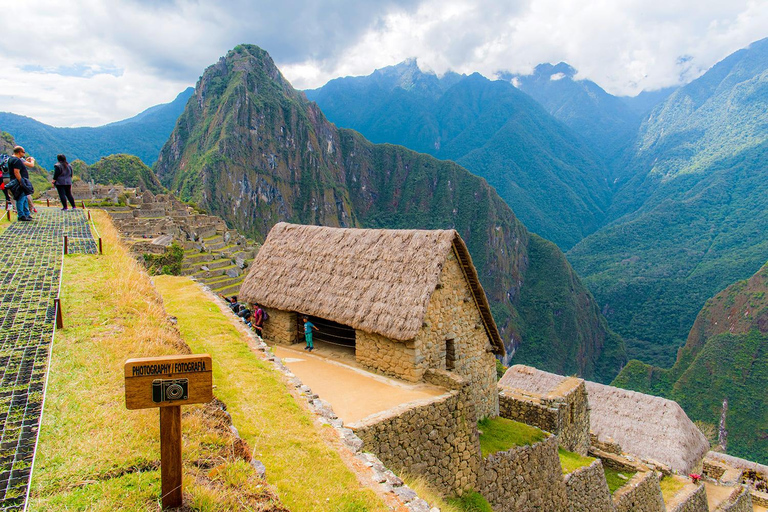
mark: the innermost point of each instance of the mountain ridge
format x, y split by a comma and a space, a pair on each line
255, 151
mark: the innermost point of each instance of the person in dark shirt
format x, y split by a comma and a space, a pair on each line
62, 180
17, 165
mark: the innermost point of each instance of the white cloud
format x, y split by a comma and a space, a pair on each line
97, 61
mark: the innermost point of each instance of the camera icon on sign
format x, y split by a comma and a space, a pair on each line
169, 390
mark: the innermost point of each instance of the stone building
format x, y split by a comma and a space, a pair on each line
650, 428
407, 301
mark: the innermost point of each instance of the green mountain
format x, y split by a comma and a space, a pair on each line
142, 135
606, 122
125, 169
253, 150
690, 214
490, 128
724, 358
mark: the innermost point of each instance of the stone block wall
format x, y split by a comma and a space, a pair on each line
433, 438
739, 501
563, 412
391, 357
281, 326
694, 500
452, 314
588, 490
525, 478
641, 494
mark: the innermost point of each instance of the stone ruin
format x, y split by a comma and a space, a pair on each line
213, 254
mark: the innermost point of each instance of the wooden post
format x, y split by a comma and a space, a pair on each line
170, 456
59, 314
47, 202
100, 251
168, 382
89, 214
82, 203
66, 244
8, 214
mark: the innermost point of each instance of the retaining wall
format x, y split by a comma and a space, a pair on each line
433, 438
525, 478
587, 489
564, 411
689, 500
739, 501
641, 494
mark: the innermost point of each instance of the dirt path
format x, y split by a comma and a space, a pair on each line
716, 494
353, 393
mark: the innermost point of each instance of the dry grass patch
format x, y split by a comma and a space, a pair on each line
670, 486
94, 454
308, 474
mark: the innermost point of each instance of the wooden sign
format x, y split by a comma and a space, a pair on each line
168, 381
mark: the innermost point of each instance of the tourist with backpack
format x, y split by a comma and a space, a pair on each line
259, 315
17, 166
62, 180
5, 176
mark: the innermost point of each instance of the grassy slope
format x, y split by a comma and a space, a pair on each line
501, 434
95, 454
726, 356
308, 474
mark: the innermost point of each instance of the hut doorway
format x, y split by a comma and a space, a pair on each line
331, 335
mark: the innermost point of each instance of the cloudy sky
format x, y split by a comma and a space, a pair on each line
90, 62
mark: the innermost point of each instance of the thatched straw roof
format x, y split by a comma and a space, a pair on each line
375, 280
529, 380
649, 427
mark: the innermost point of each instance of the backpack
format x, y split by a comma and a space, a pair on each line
264, 314
4, 165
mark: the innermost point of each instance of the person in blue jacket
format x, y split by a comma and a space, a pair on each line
308, 328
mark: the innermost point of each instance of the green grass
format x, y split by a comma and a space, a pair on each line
670, 486
570, 461
614, 480
501, 434
470, 502
93, 453
308, 473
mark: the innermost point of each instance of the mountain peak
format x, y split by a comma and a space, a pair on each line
554, 72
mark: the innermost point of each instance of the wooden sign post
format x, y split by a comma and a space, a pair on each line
168, 382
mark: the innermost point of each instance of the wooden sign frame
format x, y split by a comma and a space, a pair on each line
167, 383
150, 378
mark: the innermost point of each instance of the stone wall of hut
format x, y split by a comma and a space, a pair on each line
434, 438
453, 321
588, 490
392, 357
641, 494
525, 478
564, 412
281, 326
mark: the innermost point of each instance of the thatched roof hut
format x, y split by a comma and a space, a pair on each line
649, 427
374, 280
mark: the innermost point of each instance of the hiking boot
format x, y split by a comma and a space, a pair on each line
25, 219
